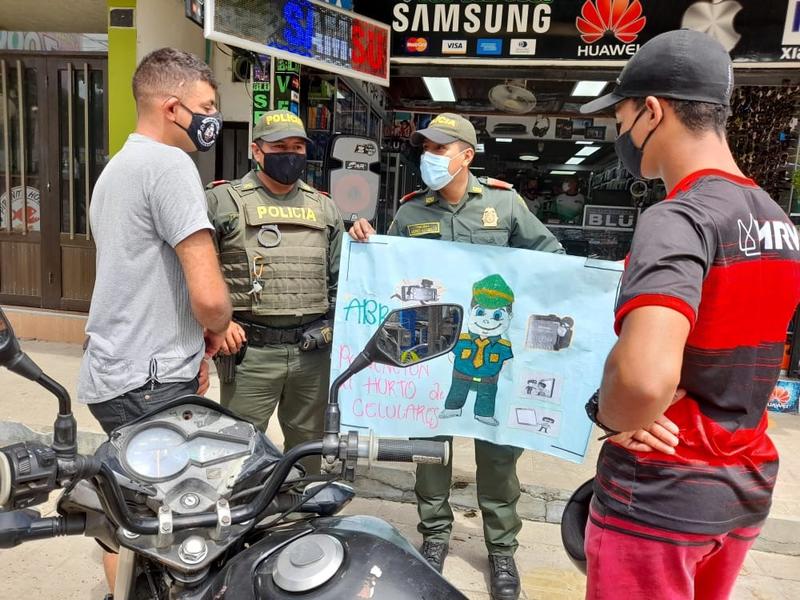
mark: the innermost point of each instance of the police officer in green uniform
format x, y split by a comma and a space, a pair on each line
279, 243
482, 351
460, 207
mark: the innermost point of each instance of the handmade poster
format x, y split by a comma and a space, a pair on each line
537, 328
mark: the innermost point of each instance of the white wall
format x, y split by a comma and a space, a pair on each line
162, 23
234, 98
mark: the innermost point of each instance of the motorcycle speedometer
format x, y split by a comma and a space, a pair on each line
157, 453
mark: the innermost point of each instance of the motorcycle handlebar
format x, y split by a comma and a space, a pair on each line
21, 525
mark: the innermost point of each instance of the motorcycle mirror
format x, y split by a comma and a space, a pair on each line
409, 336
15, 360
9, 344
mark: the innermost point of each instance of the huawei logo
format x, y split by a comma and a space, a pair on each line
622, 18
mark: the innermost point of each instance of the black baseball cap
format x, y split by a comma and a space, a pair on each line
682, 65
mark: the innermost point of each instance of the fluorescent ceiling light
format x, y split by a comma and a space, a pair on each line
504, 140
557, 172
480, 148
582, 143
529, 157
589, 88
575, 160
440, 89
587, 151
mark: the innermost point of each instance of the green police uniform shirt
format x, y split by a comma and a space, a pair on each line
224, 215
491, 212
481, 357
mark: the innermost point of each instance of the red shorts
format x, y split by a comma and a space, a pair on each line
626, 559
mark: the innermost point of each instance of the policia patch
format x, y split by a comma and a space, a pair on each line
421, 229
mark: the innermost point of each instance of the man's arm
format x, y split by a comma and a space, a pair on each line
529, 232
334, 252
643, 370
211, 303
673, 247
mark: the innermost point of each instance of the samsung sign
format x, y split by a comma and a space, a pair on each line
309, 32
582, 32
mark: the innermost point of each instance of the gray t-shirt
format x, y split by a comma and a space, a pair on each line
141, 328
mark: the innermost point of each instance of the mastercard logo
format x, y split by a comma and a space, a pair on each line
416, 44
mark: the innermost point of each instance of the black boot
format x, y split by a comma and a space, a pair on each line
435, 553
505, 578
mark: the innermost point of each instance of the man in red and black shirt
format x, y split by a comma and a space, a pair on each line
711, 283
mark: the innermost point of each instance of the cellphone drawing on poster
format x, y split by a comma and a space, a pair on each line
537, 420
539, 386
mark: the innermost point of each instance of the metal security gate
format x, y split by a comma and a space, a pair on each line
53, 146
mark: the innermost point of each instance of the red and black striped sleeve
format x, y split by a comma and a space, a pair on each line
672, 250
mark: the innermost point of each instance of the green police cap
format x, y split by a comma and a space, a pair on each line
446, 129
278, 125
492, 292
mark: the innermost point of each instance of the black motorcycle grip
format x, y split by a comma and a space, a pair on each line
24, 525
416, 451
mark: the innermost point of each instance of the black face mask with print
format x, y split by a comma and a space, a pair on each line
203, 130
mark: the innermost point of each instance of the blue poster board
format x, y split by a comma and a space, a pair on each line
537, 329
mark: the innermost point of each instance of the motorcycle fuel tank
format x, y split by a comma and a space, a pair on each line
339, 558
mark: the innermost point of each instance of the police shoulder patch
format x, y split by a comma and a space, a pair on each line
496, 183
411, 196
216, 183
464, 336
504, 342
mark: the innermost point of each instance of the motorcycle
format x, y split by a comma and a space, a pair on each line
202, 506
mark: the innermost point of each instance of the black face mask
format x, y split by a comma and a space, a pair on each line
284, 167
628, 153
203, 130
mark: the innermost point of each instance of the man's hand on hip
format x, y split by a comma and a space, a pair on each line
659, 436
203, 380
361, 230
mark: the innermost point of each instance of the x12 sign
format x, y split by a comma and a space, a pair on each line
309, 32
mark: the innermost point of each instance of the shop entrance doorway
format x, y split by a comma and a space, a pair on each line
53, 146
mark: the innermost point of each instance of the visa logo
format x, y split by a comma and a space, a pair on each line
490, 47
454, 47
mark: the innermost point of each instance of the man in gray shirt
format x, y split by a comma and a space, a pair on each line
159, 290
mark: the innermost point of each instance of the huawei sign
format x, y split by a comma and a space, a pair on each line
622, 18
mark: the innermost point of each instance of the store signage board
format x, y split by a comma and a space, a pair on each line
582, 32
310, 32
610, 218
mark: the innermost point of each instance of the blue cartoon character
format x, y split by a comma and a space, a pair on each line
482, 352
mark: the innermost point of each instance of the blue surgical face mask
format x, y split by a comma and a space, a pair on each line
436, 170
